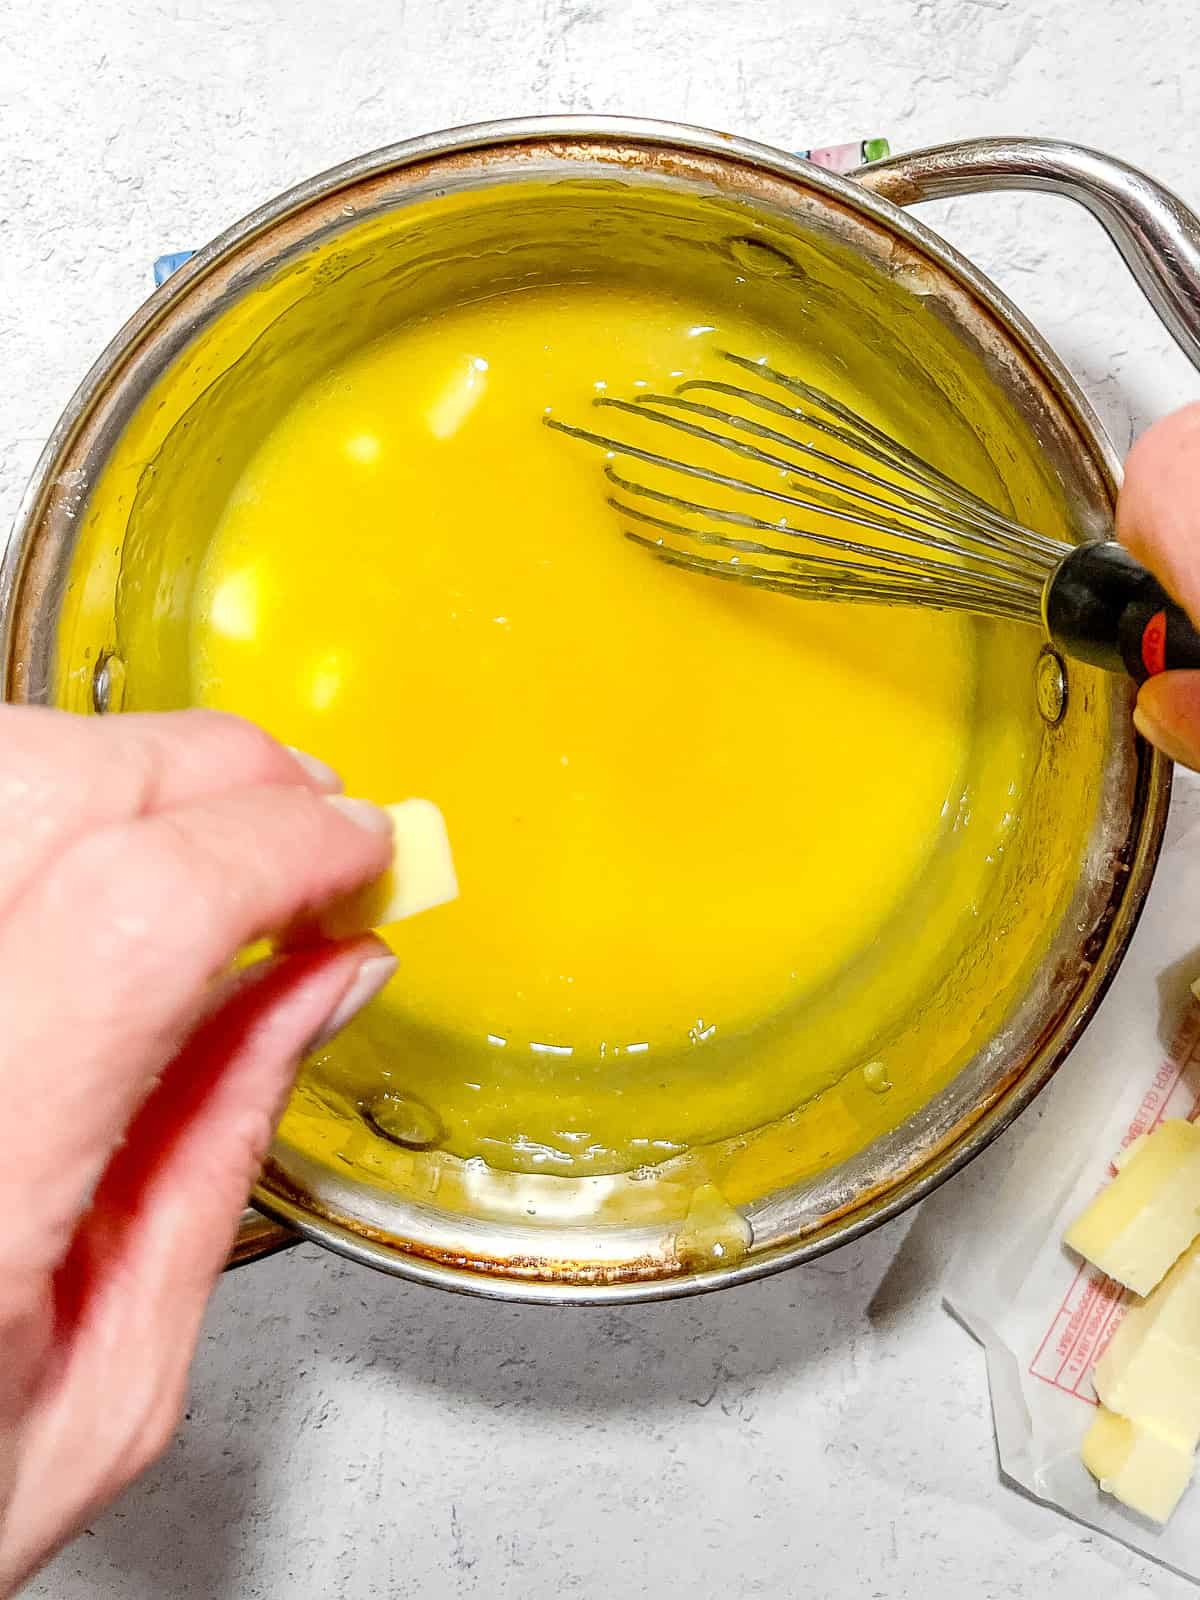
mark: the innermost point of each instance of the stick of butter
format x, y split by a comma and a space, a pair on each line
420, 877
1146, 1469
1151, 1369
1137, 1227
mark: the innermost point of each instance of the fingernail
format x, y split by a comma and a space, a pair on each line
362, 813
369, 980
321, 774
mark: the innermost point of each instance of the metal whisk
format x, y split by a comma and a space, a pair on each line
774, 483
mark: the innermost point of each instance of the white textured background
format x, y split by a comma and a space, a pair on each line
826, 1433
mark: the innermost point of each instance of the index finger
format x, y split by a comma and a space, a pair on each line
1158, 512
105, 967
64, 775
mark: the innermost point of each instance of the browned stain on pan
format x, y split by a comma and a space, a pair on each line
532, 1268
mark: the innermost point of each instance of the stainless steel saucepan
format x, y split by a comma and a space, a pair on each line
130, 483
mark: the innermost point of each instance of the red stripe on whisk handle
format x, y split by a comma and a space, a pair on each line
1104, 607
1154, 645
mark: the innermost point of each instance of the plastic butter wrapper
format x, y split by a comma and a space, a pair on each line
1043, 1316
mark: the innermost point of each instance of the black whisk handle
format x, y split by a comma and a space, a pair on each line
1104, 607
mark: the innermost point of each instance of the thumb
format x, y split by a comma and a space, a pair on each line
129, 1297
1158, 520
1168, 715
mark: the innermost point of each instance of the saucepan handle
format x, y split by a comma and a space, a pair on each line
1157, 234
258, 1237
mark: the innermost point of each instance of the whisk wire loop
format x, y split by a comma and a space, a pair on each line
862, 517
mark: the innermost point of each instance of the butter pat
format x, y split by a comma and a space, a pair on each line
1137, 1228
1144, 1468
420, 877
1151, 1369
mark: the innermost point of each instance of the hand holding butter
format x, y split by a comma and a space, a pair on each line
139, 1080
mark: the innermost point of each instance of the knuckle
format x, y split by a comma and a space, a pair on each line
243, 744
139, 771
226, 727
233, 1168
183, 881
149, 1406
252, 1140
50, 774
141, 896
126, 876
212, 739
155, 1429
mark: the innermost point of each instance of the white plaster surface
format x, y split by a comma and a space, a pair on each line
825, 1433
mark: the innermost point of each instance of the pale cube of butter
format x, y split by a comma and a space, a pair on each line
420, 877
1137, 1227
1144, 1468
1151, 1369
